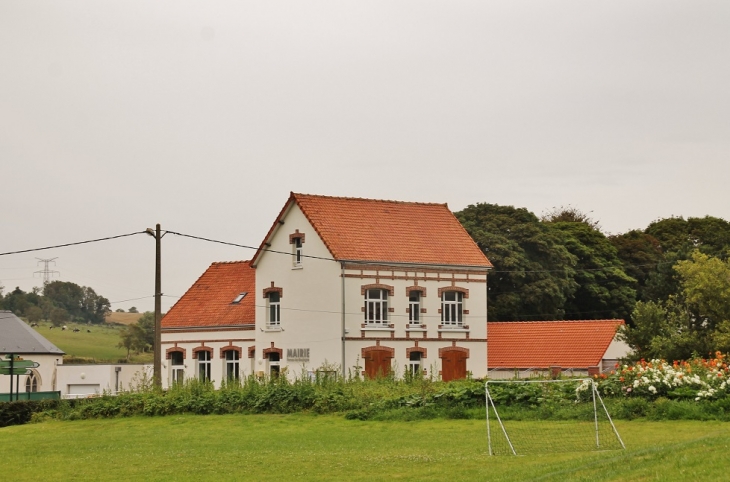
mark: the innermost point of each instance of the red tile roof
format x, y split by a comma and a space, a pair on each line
541, 344
209, 302
356, 229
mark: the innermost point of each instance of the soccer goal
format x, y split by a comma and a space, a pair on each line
542, 416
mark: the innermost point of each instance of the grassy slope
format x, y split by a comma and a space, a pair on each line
100, 344
303, 447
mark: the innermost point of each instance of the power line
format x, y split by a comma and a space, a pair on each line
247, 247
71, 244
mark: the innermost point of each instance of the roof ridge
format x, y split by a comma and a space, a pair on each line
562, 321
351, 198
231, 262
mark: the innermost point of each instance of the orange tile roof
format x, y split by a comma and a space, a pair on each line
357, 229
541, 344
209, 302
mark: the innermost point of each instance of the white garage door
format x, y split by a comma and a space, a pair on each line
88, 389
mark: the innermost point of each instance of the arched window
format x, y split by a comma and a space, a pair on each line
31, 382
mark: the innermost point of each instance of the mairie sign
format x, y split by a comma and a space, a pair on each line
297, 354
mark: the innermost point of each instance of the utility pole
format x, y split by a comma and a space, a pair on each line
47, 273
157, 365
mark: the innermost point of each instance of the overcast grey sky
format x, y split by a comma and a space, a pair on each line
203, 116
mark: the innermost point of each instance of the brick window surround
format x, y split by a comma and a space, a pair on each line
202, 348
377, 286
252, 351
417, 349
465, 291
296, 234
268, 351
169, 351
224, 349
273, 289
422, 289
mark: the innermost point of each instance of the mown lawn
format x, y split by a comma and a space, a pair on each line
308, 447
100, 344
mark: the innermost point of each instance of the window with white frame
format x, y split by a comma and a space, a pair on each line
452, 308
274, 308
414, 363
232, 365
204, 365
177, 367
297, 252
376, 306
414, 307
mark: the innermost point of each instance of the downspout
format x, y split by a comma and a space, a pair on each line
342, 274
486, 314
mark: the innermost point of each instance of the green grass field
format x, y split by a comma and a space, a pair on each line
307, 447
100, 344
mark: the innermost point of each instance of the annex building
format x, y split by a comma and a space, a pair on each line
353, 285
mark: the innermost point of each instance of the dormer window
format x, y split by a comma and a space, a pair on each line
239, 298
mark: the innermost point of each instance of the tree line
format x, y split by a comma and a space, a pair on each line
669, 281
58, 302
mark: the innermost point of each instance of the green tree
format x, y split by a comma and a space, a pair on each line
640, 256
80, 302
133, 310
604, 289
709, 235
533, 273
17, 301
127, 339
34, 314
59, 316
695, 321
146, 324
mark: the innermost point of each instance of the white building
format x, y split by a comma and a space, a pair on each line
17, 338
355, 285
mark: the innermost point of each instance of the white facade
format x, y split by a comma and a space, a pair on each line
309, 309
217, 340
78, 381
312, 308
45, 376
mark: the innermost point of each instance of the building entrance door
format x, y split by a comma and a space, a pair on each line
453, 365
377, 363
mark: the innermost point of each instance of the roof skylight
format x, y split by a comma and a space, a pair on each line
240, 297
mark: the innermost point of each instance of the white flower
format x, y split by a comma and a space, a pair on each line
652, 389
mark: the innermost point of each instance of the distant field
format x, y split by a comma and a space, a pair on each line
100, 344
307, 447
123, 318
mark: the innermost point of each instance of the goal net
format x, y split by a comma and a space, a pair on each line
542, 416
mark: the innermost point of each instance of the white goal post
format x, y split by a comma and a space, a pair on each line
543, 427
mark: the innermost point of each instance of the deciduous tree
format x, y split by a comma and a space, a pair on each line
533, 273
